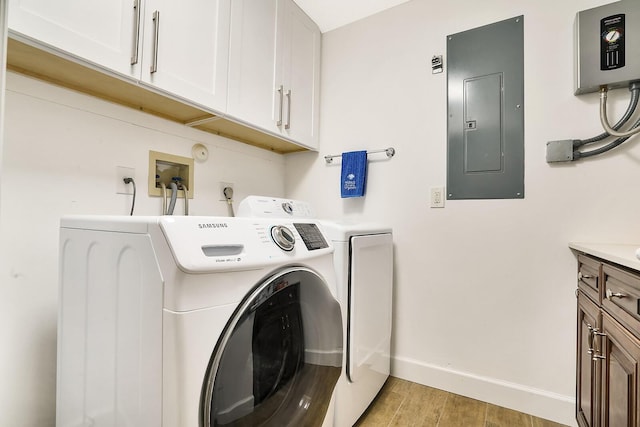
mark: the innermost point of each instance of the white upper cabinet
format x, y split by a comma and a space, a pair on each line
185, 42
185, 49
101, 32
274, 67
257, 62
298, 50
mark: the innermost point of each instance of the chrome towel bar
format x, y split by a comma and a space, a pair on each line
389, 151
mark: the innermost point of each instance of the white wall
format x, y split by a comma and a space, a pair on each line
61, 150
484, 289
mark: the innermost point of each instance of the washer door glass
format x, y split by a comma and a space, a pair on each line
279, 356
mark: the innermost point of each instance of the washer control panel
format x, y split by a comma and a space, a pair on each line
310, 234
200, 243
283, 237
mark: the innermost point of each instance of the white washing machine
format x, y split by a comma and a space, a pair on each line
363, 260
196, 321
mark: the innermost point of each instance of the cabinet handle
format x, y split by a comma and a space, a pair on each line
136, 31
591, 340
288, 125
593, 333
610, 295
595, 356
281, 94
156, 32
584, 276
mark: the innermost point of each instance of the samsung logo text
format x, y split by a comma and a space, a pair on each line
213, 225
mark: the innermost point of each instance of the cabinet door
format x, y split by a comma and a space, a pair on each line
587, 369
104, 32
186, 47
620, 399
252, 85
299, 54
274, 69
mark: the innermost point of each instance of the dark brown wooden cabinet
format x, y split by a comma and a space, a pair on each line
608, 345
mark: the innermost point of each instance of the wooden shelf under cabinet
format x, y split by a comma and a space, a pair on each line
26, 59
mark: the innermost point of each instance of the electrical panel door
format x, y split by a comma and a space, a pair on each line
485, 89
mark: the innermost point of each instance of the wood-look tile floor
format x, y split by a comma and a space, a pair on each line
405, 404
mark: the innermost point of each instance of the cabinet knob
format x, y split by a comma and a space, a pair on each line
610, 295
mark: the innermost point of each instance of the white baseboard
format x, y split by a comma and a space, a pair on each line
540, 403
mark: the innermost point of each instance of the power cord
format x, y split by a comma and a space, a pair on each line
228, 194
133, 202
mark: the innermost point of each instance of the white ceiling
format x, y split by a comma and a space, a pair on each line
331, 14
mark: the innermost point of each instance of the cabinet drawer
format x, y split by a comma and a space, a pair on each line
621, 297
589, 277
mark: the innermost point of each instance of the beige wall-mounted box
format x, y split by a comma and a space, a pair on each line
165, 168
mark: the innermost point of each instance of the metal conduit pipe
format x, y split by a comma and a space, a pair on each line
634, 88
605, 121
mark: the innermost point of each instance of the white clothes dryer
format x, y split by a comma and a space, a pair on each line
363, 259
196, 321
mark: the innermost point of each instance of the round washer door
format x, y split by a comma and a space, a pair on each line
279, 356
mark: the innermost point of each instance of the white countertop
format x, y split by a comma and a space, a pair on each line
623, 254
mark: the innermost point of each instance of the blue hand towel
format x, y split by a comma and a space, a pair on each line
354, 174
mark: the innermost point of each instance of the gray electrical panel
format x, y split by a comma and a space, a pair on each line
607, 46
485, 126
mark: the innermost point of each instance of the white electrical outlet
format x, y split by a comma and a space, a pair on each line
122, 173
224, 185
437, 197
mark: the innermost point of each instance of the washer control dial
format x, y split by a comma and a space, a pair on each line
283, 237
287, 207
